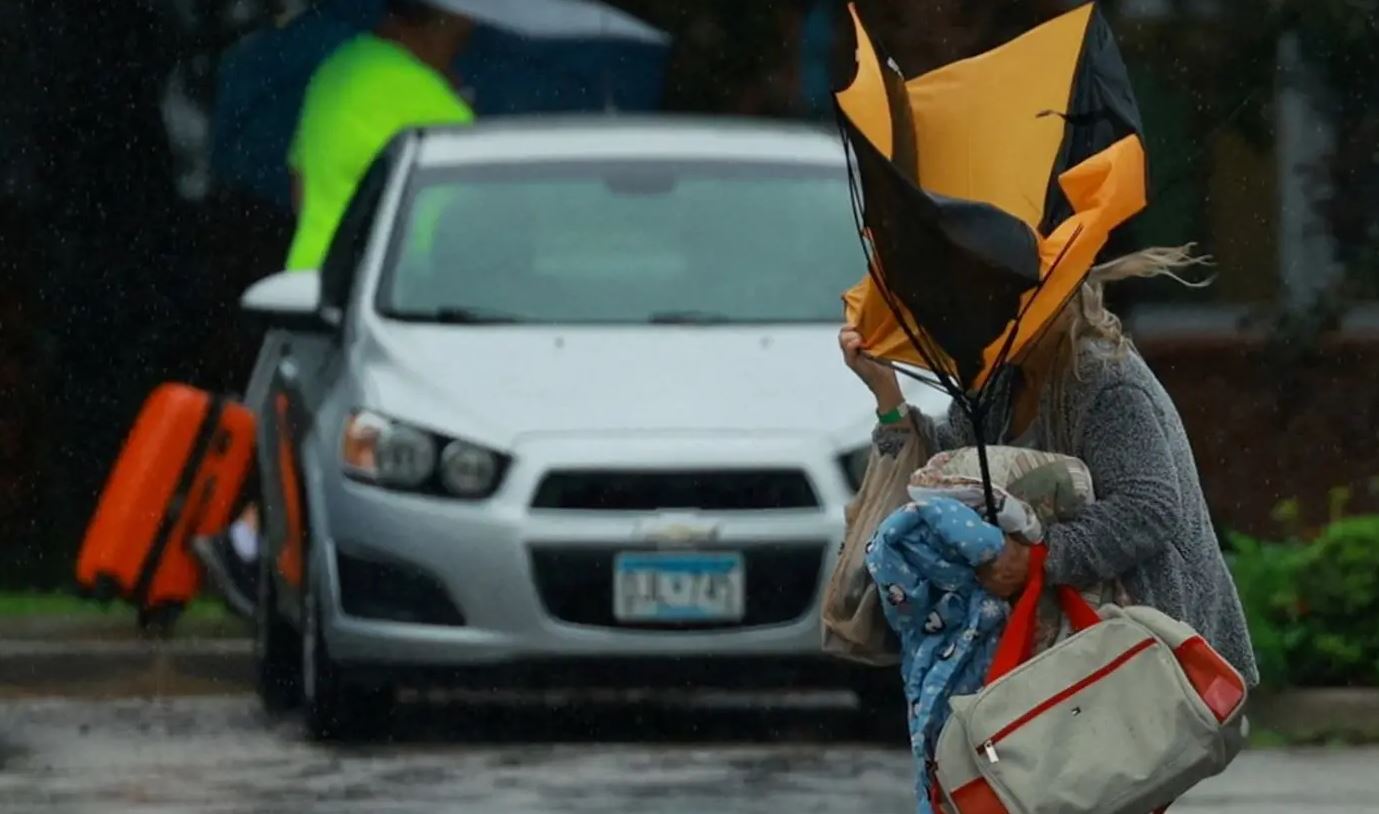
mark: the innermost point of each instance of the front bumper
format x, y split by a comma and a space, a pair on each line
496, 559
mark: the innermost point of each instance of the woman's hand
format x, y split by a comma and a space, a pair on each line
1006, 575
878, 378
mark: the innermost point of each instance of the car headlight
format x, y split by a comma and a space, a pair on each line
854, 466
386, 452
468, 470
389, 453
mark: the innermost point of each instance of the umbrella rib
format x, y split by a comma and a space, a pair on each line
1003, 355
945, 377
974, 410
942, 378
979, 411
904, 371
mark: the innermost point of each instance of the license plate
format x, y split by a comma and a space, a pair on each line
679, 587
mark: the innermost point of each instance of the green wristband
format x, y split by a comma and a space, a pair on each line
895, 416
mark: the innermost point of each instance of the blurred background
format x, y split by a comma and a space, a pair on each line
142, 188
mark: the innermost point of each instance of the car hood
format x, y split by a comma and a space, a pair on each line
507, 381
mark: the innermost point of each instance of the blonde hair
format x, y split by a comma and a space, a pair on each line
1087, 312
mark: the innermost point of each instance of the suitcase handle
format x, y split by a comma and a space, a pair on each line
1017, 643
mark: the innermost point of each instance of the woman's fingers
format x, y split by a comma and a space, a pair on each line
878, 378
851, 343
1006, 575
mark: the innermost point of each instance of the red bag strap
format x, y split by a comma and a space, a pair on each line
1017, 643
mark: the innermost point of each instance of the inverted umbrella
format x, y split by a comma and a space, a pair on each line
985, 190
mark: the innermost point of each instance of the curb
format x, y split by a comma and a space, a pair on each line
105, 668
1318, 714
113, 628
191, 666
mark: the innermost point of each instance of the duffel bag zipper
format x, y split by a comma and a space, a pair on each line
988, 748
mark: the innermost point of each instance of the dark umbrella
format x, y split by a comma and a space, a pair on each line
985, 190
263, 78
557, 19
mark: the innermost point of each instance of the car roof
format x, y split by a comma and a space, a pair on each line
574, 138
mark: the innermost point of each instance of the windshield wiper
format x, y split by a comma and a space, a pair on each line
687, 318
458, 315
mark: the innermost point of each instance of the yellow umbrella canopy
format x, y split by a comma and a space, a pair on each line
986, 189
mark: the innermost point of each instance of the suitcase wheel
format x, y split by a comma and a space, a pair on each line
158, 621
105, 589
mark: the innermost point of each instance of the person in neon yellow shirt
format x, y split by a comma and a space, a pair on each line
368, 90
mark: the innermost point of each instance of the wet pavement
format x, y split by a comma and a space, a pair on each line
220, 755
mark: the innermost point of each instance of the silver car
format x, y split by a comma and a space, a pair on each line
564, 406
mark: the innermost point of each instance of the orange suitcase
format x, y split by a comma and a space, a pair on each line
178, 476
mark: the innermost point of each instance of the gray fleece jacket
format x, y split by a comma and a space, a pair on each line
1149, 526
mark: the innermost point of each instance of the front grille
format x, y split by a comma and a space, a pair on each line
576, 585
708, 490
394, 593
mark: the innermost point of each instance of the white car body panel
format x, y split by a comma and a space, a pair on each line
633, 397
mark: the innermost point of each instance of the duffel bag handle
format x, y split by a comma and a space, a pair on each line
1017, 643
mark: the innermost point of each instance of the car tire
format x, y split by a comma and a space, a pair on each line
277, 649
883, 715
338, 706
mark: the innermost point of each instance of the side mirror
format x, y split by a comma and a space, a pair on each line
290, 300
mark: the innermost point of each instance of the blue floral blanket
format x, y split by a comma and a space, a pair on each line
924, 558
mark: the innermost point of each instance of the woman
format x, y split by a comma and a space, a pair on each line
1085, 391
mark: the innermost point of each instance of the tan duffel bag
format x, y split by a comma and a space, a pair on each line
1123, 717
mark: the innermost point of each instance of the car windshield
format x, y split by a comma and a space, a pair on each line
638, 242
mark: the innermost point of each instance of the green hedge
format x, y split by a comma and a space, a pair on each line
1313, 607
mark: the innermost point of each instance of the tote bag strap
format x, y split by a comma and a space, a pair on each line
1017, 643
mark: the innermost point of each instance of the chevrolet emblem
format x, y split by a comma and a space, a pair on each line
679, 533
